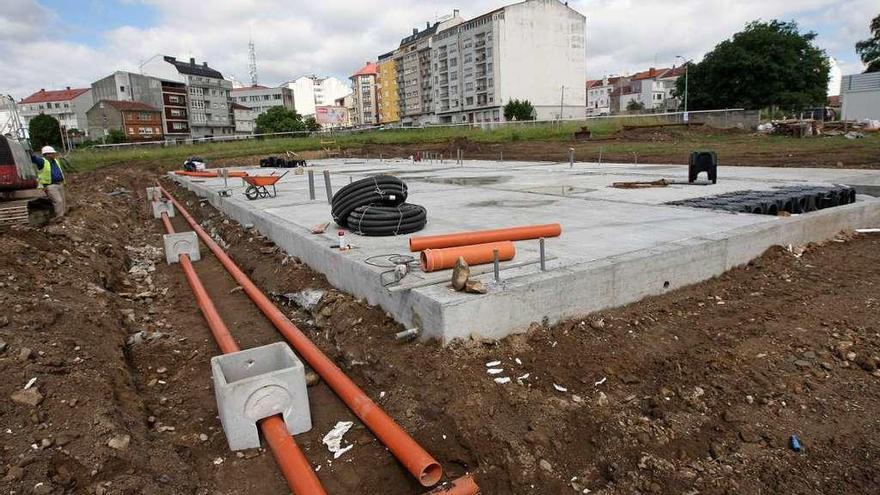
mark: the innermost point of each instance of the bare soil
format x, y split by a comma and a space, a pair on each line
695, 391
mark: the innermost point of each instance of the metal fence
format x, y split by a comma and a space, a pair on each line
723, 119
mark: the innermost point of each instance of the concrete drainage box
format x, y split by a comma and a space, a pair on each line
258, 383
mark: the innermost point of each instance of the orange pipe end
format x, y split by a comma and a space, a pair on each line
466, 485
420, 243
479, 254
300, 476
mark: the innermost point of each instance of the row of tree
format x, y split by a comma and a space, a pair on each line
768, 64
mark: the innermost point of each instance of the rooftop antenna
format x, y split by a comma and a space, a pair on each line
252, 65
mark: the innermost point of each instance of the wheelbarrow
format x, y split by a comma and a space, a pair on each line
258, 185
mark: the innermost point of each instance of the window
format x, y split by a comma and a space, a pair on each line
58, 105
131, 130
122, 89
276, 97
145, 116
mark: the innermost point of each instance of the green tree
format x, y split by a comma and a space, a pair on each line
767, 64
44, 130
311, 124
279, 119
115, 136
869, 49
635, 106
519, 110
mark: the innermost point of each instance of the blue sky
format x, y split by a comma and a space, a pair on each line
56, 43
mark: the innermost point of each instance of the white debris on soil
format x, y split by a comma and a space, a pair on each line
502, 380
518, 361
493, 364
333, 438
521, 378
560, 388
494, 371
600, 382
30, 383
306, 299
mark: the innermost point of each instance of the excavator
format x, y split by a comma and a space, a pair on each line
21, 202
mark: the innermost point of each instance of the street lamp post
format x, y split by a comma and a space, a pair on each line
686, 63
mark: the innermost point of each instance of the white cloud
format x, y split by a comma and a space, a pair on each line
336, 37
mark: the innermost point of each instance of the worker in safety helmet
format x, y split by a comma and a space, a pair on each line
50, 178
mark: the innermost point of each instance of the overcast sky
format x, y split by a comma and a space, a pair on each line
57, 43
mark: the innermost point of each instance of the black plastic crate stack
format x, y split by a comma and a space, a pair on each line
280, 162
791, 199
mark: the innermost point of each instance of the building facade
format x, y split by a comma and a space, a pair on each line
245, 119
208, 94
312, 91
364, 96
347, 104
168, 96
533, 50
387, 87
653, 89
138, 121
68, 106
260, 98
860, 96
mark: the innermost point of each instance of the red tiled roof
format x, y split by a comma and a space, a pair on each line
43, 96
650, 74
130, 105
239, 106
371, 68
592, 83
834, 101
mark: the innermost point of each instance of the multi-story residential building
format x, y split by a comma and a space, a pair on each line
168, 96
388, 98
654, 89
209, 101
311, 91
137, 120
68, 106
533, 50
245, 119
603, 95
260, 98
413, 64
347, 103
366, 110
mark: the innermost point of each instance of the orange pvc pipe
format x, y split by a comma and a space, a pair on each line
209, 175
413, 457
420, 243
478, 254
301, 478
462, 486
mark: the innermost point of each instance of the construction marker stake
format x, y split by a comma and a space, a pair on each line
343, 244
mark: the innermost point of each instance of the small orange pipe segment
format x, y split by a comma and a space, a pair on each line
478, 254
414, 458
301, 478
420, 243
208, 175
462, 486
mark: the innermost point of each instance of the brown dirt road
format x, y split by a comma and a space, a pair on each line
694, 391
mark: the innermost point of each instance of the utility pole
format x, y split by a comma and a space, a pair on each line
686, 64
561, 103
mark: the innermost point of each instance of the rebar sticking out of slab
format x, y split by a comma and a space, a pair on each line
311, 184
541, 250
328, 187
497, 263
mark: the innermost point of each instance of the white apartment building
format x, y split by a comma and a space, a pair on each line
68, 106
260, 98
654, 89
314, 91
245, 119
210, 104
533, 50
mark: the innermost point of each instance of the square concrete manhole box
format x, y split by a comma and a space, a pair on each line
259, 383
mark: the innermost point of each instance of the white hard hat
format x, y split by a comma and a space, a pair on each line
47, 149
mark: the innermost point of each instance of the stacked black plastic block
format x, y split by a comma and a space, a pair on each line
791, 199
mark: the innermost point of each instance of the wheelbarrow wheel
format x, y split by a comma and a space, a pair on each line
264, 193
252, 192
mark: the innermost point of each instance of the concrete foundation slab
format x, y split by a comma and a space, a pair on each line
617, 245
258, 383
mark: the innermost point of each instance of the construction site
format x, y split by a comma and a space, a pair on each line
415, 323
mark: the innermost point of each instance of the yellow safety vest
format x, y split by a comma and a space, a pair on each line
44, 177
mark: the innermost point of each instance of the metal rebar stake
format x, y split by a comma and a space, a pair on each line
541, 250
571, 158
497, 266
328, 187
311, 184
